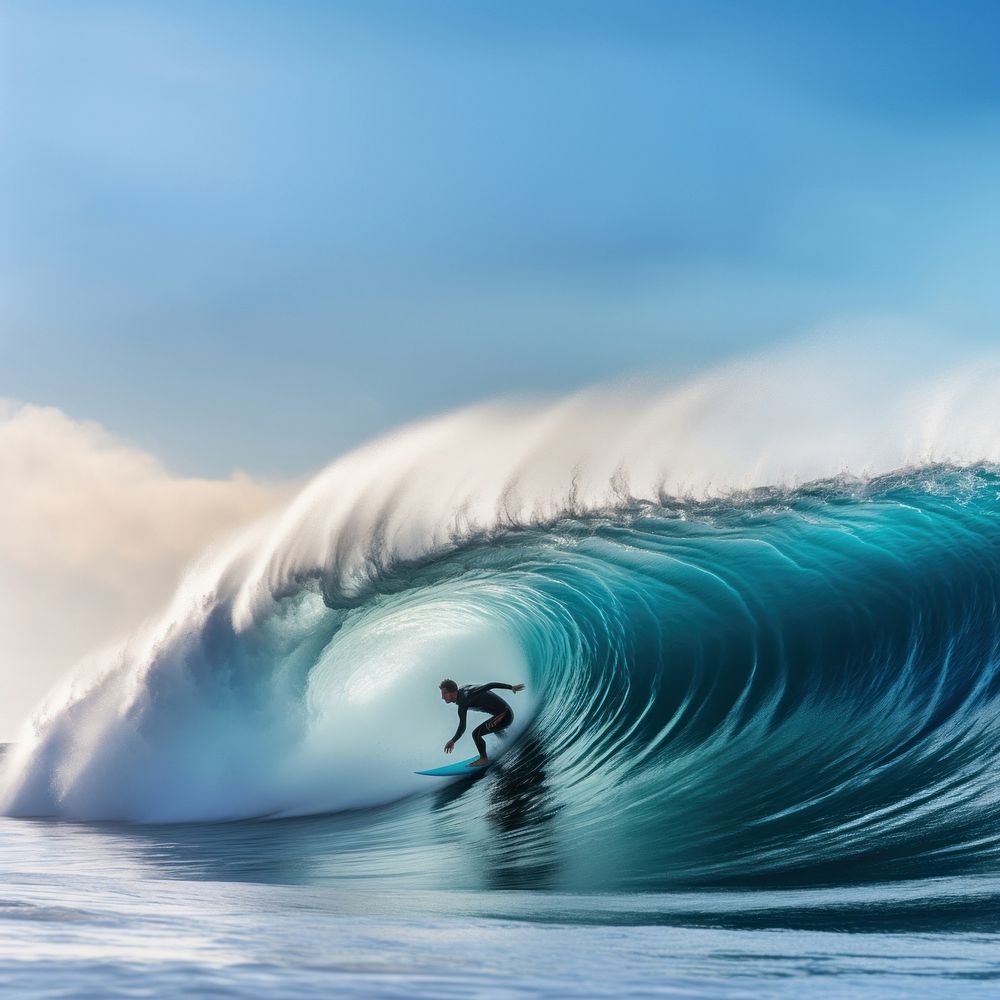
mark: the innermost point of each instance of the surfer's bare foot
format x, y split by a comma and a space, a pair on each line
482, 762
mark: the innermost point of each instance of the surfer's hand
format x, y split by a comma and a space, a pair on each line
517, 687
449, 746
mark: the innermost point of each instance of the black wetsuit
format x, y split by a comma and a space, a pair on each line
479, 698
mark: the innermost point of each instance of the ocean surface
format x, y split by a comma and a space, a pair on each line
758, 753
299, 908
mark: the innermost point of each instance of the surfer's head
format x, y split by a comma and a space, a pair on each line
449, 690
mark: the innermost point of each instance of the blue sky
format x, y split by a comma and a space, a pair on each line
254, 234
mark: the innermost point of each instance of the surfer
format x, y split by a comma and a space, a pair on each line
480, 698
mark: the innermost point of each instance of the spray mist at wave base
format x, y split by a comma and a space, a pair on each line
742, 662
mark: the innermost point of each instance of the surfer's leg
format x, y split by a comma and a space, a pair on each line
478, 735
500, 722
495, 726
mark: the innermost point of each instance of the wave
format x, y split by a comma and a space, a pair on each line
759, 631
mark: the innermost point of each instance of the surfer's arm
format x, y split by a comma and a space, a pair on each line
461, 725
504, 687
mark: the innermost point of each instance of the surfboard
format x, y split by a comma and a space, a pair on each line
455, 770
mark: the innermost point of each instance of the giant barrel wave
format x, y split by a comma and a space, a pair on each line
761, 642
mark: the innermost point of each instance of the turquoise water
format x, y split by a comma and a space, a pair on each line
758, 755
304, 908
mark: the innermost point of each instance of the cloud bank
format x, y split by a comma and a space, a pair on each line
95, 536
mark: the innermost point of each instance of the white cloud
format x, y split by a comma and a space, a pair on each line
94, 535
